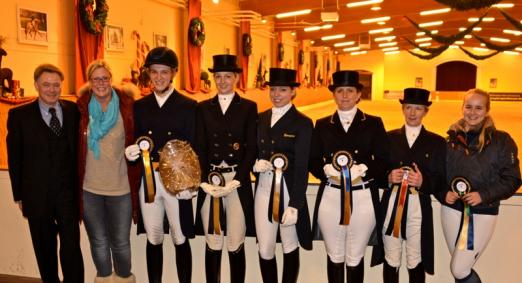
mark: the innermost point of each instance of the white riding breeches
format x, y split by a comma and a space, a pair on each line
153, 214
346, 243
266, 230
462, 261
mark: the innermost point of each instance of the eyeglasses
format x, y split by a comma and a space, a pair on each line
100, 80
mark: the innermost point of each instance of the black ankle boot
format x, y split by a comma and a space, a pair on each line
471, 278
390, 274
335, 271
268, 269
154, 262
417, 274
355, 274
212, 265
184, 262
291, 266
237, 265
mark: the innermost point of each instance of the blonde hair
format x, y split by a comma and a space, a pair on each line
95, 65
486, 124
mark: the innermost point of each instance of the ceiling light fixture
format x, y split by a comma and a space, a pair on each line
421, 33
294, 13
363, 3
332, 37
503, 5
425, 44
375, 8
430, 24
349, 49
390, 49
358, 52
346, 43
468, 36
499, 39
385, 38
459, 42
387, 44
486, 19
383, 30
423, 39
315, 28
480, 49
511, 52
513, 32
392, 52
373, 20
453, 46
437, 11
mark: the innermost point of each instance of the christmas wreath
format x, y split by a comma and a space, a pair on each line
247, 44
94, 15
300, 57
464, 5
196, 32
280, 52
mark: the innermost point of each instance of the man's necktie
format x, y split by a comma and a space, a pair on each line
55, 123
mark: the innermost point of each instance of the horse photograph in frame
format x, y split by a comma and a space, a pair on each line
32, 26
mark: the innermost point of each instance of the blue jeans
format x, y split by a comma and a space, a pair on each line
107, 221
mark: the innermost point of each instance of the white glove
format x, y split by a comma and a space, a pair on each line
209, 189
132, 152
262, 166
357, 171
330, 171
227, 189
289, 216
186, 194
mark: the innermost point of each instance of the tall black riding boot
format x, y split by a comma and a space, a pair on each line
154, 262
417, 274
390, 274
212, 265
335, 271
184, 262
237, 265
355, 274
291, 266
268, 269
471, 278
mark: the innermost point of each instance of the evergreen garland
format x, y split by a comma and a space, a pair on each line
196, 32
247, 44
495, 47
478, 57
448, 40
425, 57
94, 20
438, 50
510, 19
464, 5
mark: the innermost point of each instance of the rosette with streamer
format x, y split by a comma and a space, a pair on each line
397, 224
342, 161
461, 186
179, 167
276, 204
149, 183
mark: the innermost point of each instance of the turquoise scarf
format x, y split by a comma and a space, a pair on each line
100, 123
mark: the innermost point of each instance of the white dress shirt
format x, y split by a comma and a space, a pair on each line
412, 133
278, 112
161, 99
225, 100
346, 117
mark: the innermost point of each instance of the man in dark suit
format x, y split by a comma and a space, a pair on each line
226, 141
41, 146
158, 118
407, 202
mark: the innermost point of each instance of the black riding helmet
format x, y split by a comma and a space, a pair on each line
163, 56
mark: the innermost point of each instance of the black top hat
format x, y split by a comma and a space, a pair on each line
282, 77
225, 63
414, 95
345, 78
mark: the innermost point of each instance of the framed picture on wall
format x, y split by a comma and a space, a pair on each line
32, 26
160, 40
114, 38
418, 82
